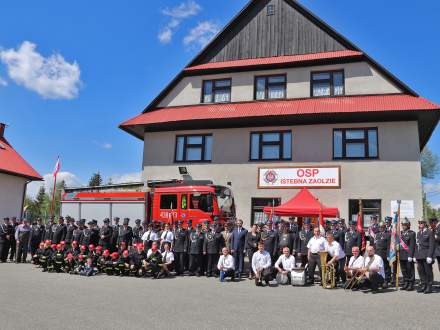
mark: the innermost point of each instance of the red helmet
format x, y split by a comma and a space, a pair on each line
53, 246
125, 253
91, 247
80, 257
70, 256
59, 246
115, 255
106, 253
63, 242
140, 246
47, 241
83, 248
99, 248
74, 243
123, 243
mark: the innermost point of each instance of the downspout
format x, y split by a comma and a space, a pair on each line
24, 198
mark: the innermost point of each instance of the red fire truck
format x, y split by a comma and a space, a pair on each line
164, 201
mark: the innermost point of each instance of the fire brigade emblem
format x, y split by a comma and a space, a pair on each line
270, 177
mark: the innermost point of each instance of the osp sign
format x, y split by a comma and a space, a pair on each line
299, 177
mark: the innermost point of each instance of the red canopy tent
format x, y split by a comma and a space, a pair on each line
304, 204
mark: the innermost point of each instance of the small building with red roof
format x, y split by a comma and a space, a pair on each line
15, 174
279, 101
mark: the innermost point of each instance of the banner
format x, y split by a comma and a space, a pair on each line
299, 177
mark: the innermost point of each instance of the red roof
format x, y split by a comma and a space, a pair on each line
344, 104
11, 162
304, 204
275, 60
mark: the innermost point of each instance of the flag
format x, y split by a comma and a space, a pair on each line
360, 230
57, 168
392, 256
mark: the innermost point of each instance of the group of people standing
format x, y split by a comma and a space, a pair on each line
214, 249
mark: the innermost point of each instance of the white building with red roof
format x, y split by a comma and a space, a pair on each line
15, 174
279, 101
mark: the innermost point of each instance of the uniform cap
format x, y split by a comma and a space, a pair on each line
137, 221
388, 218
433, 219
126, 221
422, 221
307, 221
91, 247
405, 221
382, 224
106, 220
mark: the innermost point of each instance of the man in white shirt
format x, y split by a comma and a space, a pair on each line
226, 265
315, 245
355, 264
167, 261
284, 265
167, 236
149, 237
261, 265
335, 254
373, 270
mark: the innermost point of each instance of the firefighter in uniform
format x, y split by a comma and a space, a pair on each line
195, 251
351, 238
285, 239
59, 231
48, 230
37, 235
12, 229
270, 239
125, 233
436, 230
382, 246
86, 235
424, 255
78, 232
115, 233
212, 245
94, 238
105, 235
137, 232
304, 236
70, 227
406, 255
180, 247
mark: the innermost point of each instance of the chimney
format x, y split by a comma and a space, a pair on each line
2, 129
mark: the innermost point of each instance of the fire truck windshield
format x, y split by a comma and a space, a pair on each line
225, 200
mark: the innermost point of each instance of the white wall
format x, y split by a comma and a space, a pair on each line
360, 79
11, 195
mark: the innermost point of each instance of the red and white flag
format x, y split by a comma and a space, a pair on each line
57, 168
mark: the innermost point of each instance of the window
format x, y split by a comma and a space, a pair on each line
216, 91
258, 204
168, 202
270, 10
270, 87
193, 148
271, 146
327, 83
357, 143
369, 207
202, 202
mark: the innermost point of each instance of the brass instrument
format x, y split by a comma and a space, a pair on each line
327, 272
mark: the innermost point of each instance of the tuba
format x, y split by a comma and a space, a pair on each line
327, 272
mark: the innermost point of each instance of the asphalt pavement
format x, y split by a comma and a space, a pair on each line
31, 299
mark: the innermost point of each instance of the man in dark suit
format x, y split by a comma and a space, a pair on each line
238, 238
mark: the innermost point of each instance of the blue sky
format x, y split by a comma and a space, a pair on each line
112, 57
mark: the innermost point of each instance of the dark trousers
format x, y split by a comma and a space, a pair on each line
4, 249
22, 251
386, 264
195, 263
438, 263
250, 254
239, 261
211, 268
340, 273
314, 261
266, 275
34, 247
425, 272
304, 260
13, 247
408, 272
179, 262
374, 281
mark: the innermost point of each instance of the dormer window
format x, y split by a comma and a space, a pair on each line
270, 87
216, 91
328, 83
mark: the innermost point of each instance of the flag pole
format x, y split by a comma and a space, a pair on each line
52, 208
398, 244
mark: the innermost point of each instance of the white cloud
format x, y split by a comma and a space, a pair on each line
177, 14
104, 145
51, 77
127, 177
70, 179
201, 34
431, 188
184, 10
3, 82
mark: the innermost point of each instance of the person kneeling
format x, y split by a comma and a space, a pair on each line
226, 265
284, 265
261, 266
167, 261
373, 271
152, 264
